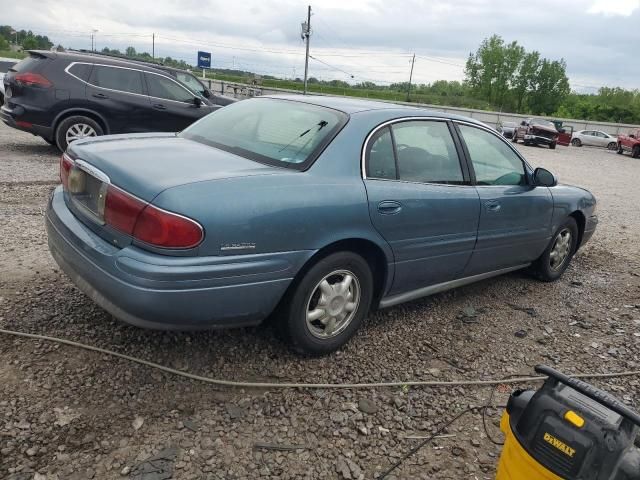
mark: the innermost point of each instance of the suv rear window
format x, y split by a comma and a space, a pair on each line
80, 70
116, 78
29, 64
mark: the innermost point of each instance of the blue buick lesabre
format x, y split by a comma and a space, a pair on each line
315, 210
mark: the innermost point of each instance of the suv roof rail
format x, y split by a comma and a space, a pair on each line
119, 57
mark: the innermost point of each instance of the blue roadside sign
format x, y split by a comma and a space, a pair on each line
204, 60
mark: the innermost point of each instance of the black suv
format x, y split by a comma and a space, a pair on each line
64, 96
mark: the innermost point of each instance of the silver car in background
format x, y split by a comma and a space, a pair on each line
594, 138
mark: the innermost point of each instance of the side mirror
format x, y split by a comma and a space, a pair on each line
206, 93
197, 101
544, 178
523, 123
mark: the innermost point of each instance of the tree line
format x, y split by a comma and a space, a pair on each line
25, 38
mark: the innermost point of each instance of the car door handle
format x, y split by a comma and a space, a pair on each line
389, 207
159, 106
492, 206
99, 95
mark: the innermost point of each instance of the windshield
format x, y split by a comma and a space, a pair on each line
190, 82
278, 132
544, 123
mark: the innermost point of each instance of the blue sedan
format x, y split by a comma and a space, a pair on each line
315, 210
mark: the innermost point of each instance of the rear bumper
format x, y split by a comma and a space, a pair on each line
166, 292
10, 116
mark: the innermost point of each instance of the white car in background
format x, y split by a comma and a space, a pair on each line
595, 138
5, 65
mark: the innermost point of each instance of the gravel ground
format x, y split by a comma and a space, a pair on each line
72, 414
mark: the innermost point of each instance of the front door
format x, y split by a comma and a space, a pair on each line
175, 106
515, 217
421, 202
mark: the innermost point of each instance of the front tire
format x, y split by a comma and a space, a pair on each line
556, 258
620, 150
75, 128
328, 304
552, 146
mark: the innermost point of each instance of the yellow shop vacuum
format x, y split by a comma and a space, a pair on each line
568, 430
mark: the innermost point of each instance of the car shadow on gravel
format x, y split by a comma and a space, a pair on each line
33, 148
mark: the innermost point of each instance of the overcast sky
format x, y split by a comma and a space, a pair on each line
369, 39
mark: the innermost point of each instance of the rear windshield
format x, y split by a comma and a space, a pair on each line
28, 64
278, 132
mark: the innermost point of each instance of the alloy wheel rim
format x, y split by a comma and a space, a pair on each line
560, 250
78, 131
333, 304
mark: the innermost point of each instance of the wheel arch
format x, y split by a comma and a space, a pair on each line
373, 253
581, 220
70, 112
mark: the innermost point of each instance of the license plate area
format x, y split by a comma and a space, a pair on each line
87, 190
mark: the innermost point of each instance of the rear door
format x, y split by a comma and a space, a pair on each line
118, 94
174, 106
515, 217
421, 201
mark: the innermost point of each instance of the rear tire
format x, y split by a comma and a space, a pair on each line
514, 138
576, 142
553, 262
636, 151
320, 314
74, 128
620, 150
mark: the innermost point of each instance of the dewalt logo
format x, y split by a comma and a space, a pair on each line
563, 447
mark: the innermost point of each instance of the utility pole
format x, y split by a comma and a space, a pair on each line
306, 33
153, 46
93, 33
413, 60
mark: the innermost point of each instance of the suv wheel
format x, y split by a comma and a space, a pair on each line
552, 145
75, 128
620, 150
636, 151
556, 258
326, 307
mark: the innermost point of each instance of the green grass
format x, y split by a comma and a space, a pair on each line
11, 54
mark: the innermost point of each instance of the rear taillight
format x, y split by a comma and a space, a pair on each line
30, 79
66, 164
149, 224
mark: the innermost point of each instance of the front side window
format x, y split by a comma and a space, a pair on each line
278, 132
493, 160
163, 87
191, 82
426, 153
113, 78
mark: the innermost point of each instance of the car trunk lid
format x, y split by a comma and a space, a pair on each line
146, 164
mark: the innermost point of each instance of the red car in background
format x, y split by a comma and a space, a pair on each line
535, 131
630, 143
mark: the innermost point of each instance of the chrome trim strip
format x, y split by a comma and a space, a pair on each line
441, 287
93, 171
122, 91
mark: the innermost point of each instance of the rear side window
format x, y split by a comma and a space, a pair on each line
381, 161
426, 153
114, 78
163, 87
80, 70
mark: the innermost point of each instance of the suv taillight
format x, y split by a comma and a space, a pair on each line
30, 79
148, 223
